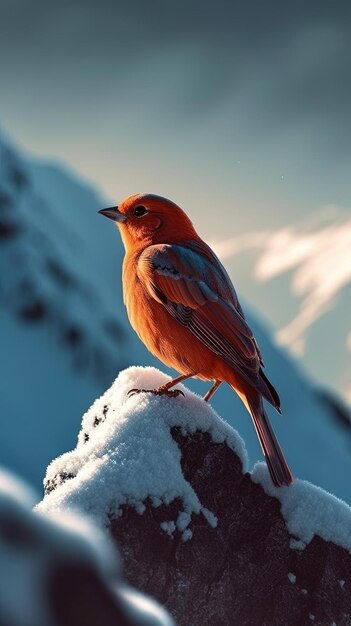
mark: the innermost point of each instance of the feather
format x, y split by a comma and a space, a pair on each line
196, 290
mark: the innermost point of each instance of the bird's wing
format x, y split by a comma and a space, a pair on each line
195, 289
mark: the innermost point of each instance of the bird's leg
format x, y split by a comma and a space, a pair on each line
213, 390
164, 390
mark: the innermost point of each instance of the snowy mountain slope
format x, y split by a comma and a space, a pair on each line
65, 336
309, 266
48, 271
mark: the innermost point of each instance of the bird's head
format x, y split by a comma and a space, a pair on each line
146, 219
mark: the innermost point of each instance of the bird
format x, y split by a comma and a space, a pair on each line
184, 308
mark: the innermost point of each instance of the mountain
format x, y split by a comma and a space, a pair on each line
306, 269
65, 335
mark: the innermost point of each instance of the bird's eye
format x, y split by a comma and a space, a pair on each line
139, 211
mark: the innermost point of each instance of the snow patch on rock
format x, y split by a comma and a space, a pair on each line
296, 544
309, 510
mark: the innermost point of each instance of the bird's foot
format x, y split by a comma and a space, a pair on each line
170, 393
161, 391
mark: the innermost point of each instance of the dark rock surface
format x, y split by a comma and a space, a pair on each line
241, 572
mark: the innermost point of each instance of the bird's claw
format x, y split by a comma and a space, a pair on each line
170, 393
132, 392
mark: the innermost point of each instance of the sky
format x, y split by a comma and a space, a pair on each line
237, 108
238, 111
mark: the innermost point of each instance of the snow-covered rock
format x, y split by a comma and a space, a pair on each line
62, 572
213, 543
133, 434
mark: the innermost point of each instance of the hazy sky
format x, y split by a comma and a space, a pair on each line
239, 111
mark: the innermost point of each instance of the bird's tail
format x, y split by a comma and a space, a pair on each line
278, 467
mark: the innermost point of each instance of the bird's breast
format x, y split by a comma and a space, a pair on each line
149, 319
164, 336
158, 330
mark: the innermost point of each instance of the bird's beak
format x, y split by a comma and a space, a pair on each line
114, 214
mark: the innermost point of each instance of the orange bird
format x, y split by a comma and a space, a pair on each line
182, 304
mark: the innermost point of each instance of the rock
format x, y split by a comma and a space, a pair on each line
238, 572
214, 544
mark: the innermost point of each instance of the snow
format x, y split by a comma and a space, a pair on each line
292, 578
212, 519
143, 611
30, 544
131, 456
183, 520
33, 546
296, 544
168, 527
71, 532
187, 534
309, 510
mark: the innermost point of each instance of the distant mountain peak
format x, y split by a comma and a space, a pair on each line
41, 284
313, 258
